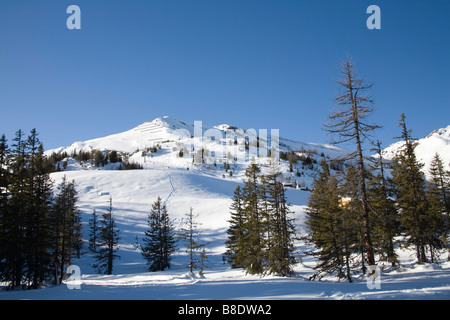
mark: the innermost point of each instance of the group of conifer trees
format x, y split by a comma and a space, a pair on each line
261, 232
161, 239
359, 215
104, 239
40, 230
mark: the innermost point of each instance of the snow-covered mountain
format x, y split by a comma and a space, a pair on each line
436, 142
173, 143
166, 129
208, 189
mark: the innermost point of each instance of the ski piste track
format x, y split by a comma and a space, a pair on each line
173, 191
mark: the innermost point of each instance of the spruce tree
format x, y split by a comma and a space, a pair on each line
235, 243
280, 230
190, 234
25, 203
350, 222
386, 225
411, 194
159, 238
94, 231
326, 232
252, 258
438, 205
66, 236
108, 242
15, 216
37, 234
4, 183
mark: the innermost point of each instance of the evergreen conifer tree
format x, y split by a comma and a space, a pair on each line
108, 242
190, 234
66, 236
235, 243
93, 232
252, 259
438, 206
411, 194
384, 213
280, 230
324, 219
159, 240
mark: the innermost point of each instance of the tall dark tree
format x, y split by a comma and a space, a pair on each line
410, 186
280, 229
66, 234
326, 232
37, 234
108, 242
386, 225
25, 202
438, 206
235, 243
190, 234
15, 216
94, 231
252, 259
159, 238
349, 123
4, 183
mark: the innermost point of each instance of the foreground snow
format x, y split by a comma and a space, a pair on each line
422, 282
209, 194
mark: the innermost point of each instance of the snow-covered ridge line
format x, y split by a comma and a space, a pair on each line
166, 129
436, 142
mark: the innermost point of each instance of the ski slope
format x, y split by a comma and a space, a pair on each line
208, 189
134, 191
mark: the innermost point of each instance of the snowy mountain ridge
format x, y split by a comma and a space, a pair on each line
436, 142
165, 129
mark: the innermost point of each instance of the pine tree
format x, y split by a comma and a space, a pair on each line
25, 202
280, 229
37, 234
411, 194
350, 222
94, 232
14, 217
326, 232
252, 259
350, 124
66, 233
159, 241
203, 258
4, 183
190, 234
384, 213
438, 205
440, 185
108, 242
235, 243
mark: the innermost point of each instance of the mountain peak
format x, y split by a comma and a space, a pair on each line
437, 141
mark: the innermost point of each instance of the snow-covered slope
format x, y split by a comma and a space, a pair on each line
436, 142
166, 129
208, 189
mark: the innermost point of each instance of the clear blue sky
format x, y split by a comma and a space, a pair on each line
251, 63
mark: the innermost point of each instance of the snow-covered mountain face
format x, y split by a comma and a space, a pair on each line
436, 142
178, 144
167, 129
